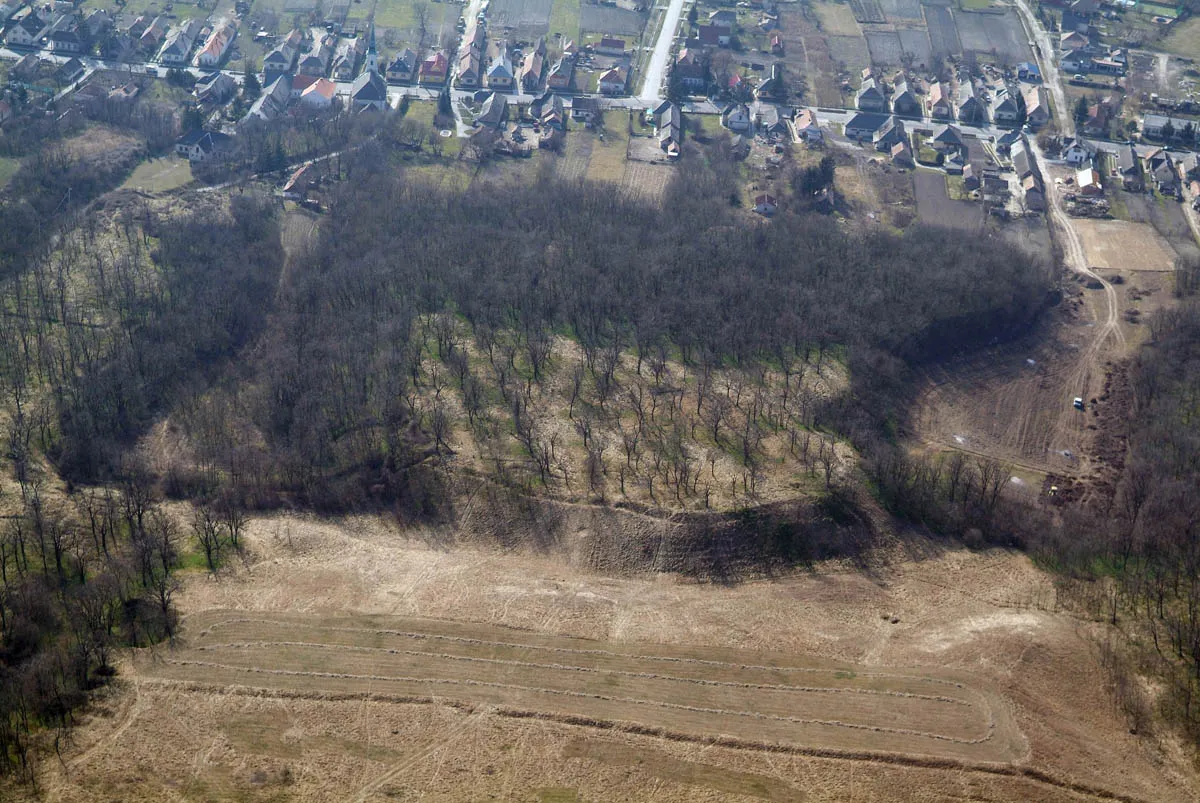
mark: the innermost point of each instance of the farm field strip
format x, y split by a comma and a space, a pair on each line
751, 698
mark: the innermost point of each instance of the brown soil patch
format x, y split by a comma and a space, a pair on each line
1122, 245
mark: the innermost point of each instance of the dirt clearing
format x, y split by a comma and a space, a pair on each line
1121, 245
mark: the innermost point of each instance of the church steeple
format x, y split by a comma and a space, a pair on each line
372, 62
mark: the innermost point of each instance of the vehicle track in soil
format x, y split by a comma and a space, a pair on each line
1023, 423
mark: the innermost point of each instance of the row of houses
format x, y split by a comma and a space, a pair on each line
1159, 168
66, 33
1003, 102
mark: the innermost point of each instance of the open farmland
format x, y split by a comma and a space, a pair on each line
695, 693
943, 33
988, 33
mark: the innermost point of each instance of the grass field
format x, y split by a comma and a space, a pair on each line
1184, 38
564, 19
837, 19
608, 155
159, 175
755, 697
8, 168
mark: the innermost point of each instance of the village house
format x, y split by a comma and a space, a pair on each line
1167, 129
1007, 107
1099, 118
214, 87
585, 109
737, 118
1072, 40
301, 83
1088, 182
561, 74
548, 110
946, 139
870, 98
774, 86
345, 59
690, 71
806, 128
70, 71
887, 135
68, 39
1037, 109
179, 42
316, 61
613, 82
151, 39
531, 69
1162, 169
940, 107
971, 110
216, 46
1075, 61
770, 121
609, 46
319, 94
203, 146
863, 125
402, 68
1076, 152
282, 57
904, 101
714, 35
668, 128
765, 204
1129, 169
494, 112
434, 68
726, 17
500, 71
26, 32
1035, 193
272, 103
902, 155
466, 73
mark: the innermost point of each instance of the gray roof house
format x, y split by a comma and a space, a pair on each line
970, 108
369, 90
904, 102
864, 124
870, 98
494, 112
889, 134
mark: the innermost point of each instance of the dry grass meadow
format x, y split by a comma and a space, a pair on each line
351, 660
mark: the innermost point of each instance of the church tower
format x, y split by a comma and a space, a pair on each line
372, 62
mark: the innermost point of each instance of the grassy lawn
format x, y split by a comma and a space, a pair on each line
837, 19
8, 168
608, 156
564, 19
974, 5
179, 10
955, 189
1184, 38
1116, 205
159, 175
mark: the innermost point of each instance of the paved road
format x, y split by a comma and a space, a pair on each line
656, 72
1045, 58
